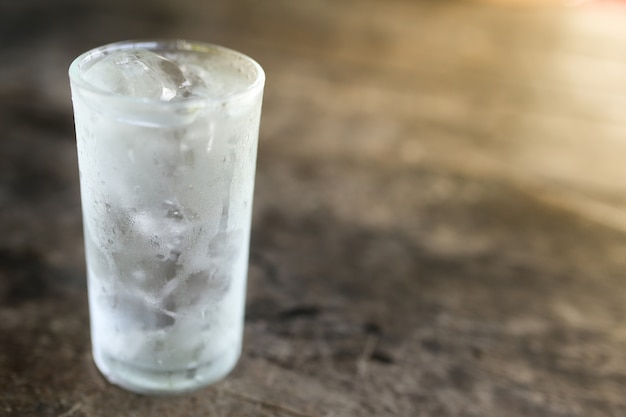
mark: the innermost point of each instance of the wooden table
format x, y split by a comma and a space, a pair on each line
440, 214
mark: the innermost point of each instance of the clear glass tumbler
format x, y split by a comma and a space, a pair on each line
167, 136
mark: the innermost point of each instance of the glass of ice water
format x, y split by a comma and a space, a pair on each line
167, 136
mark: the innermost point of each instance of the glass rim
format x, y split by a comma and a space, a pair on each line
77, 79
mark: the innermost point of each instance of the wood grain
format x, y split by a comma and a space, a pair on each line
439, 223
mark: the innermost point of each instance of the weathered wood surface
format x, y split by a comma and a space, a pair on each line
439, 225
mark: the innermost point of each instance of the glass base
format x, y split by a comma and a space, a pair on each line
161, 382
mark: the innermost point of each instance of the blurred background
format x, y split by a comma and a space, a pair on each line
439, 211
529, 90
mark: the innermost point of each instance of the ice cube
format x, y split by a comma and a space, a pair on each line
200, 82
139, 74
129, 311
